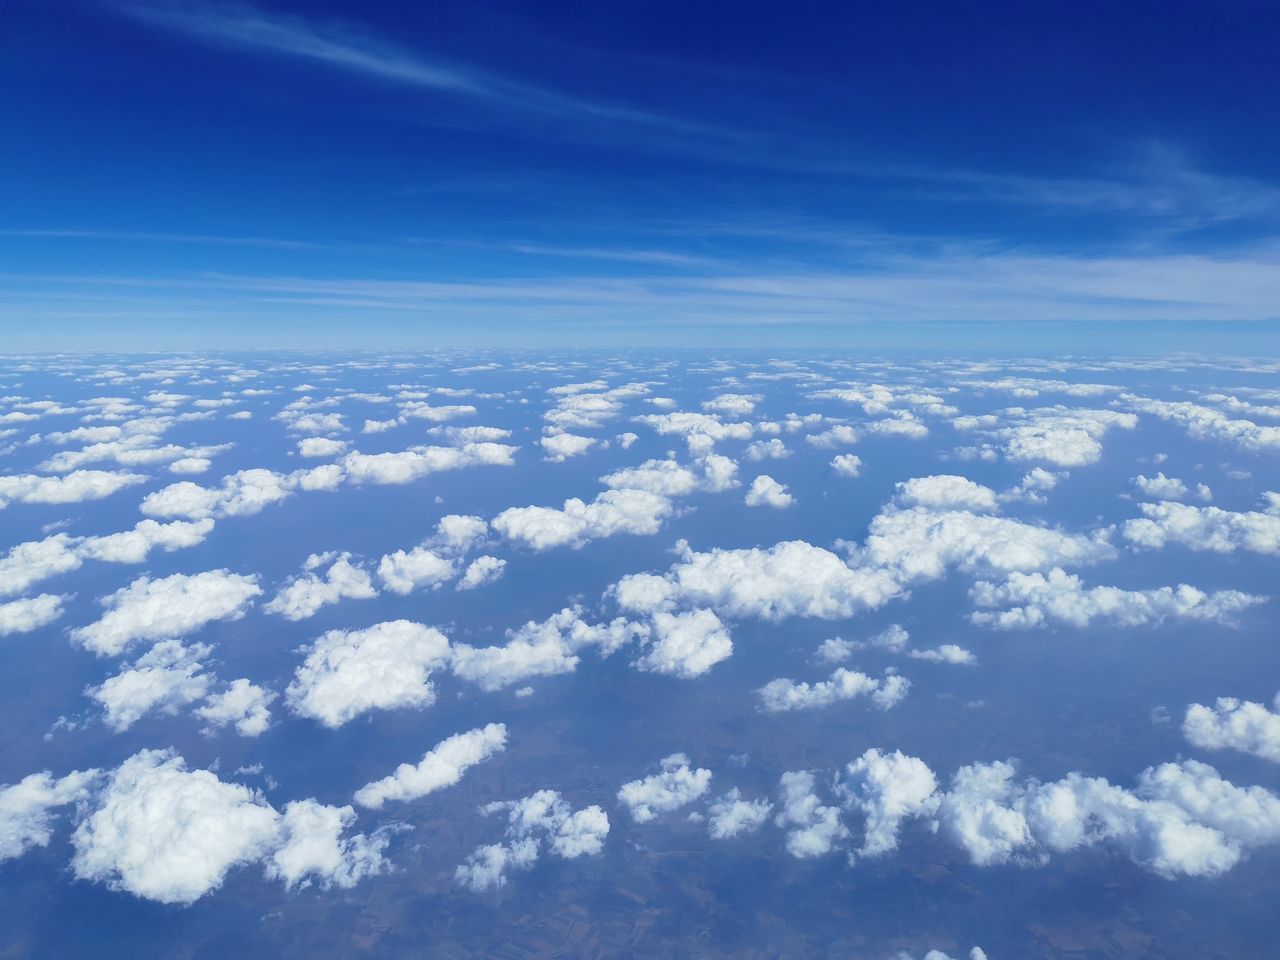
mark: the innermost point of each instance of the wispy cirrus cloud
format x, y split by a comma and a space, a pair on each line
968, 288
343, 46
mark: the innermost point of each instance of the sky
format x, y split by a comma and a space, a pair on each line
899, 176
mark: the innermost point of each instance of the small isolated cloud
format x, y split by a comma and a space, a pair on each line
167, 608
731, 816
577, 523
559, 447
243, 704
772, 449
846, 465
384, 667
945, 653
1233, 724
442, 766
538, 820
303, 596
768, 492
782, 695
321, 447
166, 678
946, 492
480, 571
672, 787
29, 613
75, 487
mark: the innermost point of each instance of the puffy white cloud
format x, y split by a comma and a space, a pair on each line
28, 563
187, 466
772, 449
169, 834
458, 533
700, 430
1207, 528
901, 424
327, 477
783, 695
945, 653
833, 650
813, 828
559, 447
1205, 423
463, 435
167, 677
243, 704
26, 808
904, 545
133, 546
675, 785
405, 571
686, 644
846, 465
480, 571
733, 404
488, 865
1183, 819
418, 410
441, 766
1161, 487
383, 667
1233, 724
311, 848
1058, 435
887, 788
921, 544
768, 492
163, 609
304, 595
878, 399
321, 447
731, 816
666, 478
539, 818
790, 579
75, 487
839, 435
892, 638
1035, 483
588, 409
166, 833
540, 648
409, 465
577, 522
29, 613
35, 560
947, 492
1035, 599
241, 494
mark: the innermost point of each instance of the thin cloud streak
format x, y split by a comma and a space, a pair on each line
962, 289
343, 47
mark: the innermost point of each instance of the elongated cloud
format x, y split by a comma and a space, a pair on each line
442, 766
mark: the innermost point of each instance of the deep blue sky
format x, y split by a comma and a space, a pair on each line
196, 174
